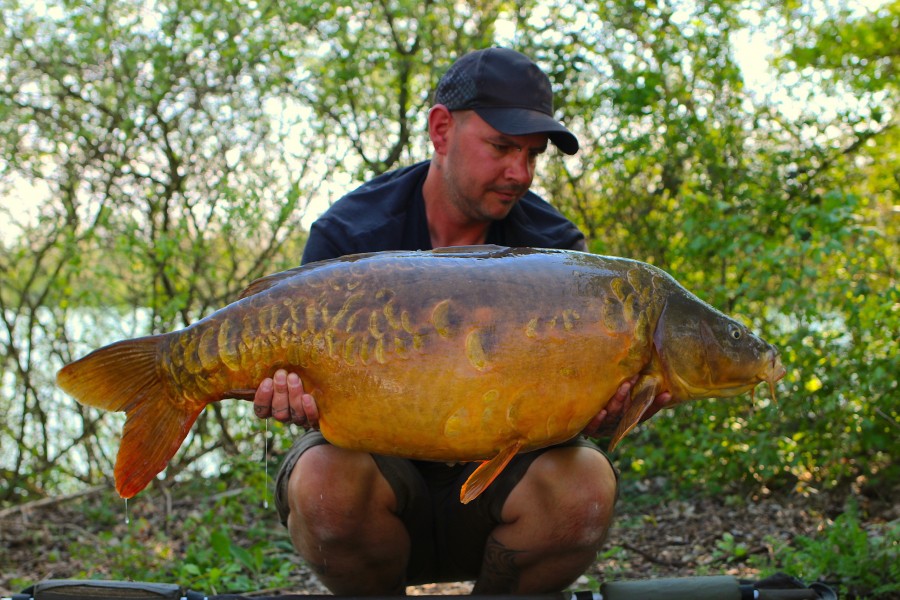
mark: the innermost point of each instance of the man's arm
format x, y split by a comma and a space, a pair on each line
321, 245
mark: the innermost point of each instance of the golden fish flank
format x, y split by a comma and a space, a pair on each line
359, 330
452, 355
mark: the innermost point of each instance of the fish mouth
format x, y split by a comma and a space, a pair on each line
772, 371
683, 390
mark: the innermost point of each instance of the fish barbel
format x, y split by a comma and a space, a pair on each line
457, 354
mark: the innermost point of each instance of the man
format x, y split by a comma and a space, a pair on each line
373, 524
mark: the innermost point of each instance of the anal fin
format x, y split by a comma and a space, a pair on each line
486, 473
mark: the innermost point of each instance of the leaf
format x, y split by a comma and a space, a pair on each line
245, 558
221, 543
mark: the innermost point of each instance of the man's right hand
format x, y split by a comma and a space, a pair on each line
282, 397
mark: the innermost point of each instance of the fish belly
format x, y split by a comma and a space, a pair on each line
440, 405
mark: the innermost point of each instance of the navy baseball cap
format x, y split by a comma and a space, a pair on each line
508, 91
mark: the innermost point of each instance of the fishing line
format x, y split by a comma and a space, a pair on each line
127, 518
266, 462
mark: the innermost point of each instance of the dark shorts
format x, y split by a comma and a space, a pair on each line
447, 537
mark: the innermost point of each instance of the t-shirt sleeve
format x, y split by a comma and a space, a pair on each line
325, 241
372, 218
579, 244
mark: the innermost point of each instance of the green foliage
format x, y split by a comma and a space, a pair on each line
136, 555
773, 220
837, 410
214, 563
850, 49
728, 549
861, 562
173, 153
222, 547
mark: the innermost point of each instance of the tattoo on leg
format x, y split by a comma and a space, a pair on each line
499, 571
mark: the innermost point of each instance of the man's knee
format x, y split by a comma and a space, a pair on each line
573, 490
342, 522
331, 493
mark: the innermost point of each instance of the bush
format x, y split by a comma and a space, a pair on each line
859, 561
222, 546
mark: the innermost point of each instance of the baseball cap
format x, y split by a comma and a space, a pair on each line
508, 91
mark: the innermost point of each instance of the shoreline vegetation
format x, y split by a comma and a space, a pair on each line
208, 536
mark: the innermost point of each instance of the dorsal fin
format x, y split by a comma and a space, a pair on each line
269, 281
475, 249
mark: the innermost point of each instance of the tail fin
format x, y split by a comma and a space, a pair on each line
125, 377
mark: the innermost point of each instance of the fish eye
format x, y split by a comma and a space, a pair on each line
735, 333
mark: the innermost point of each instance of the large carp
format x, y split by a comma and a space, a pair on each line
458, 354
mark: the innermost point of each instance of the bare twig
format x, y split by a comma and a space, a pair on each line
654, 559
52, 501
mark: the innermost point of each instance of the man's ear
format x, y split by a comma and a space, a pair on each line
440, 121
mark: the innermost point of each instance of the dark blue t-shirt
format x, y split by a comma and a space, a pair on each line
388, 213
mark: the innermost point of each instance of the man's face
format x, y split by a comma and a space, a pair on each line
487, 172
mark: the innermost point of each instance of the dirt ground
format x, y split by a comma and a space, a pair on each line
650, 538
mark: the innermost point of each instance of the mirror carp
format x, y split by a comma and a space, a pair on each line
458, 354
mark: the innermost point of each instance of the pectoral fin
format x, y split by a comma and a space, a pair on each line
641, 398
487, 472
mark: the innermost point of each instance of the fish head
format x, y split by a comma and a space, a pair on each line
707, 354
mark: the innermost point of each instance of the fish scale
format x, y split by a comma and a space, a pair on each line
464, 354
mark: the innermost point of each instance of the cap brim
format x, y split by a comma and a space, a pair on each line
522, 121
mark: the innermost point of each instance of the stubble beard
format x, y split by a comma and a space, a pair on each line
474, 207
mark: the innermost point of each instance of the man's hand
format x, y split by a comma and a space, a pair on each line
606, 420
283, 398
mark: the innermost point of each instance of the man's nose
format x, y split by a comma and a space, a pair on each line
520, 167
